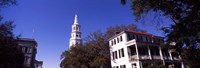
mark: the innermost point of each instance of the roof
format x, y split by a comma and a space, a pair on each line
135, 32
38, 62
26, 39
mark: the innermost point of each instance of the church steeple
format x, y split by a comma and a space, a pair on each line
76, 19
75, 38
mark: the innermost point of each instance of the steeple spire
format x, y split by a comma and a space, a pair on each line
76, 19
75, 38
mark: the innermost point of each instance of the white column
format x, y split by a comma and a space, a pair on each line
161, 55
149, 51
170, 55
171, 58
136, 48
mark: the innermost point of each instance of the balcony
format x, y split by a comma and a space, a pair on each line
133, 58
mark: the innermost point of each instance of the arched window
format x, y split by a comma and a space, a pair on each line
74, 28
77, 35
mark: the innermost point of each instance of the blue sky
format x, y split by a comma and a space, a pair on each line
52, 20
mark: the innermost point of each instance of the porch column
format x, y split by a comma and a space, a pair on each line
136, 48
149, 51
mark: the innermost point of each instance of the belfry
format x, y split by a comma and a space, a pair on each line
75, 38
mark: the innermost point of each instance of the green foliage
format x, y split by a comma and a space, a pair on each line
4, 3
185, 14
191, 55
94, 53
10, 55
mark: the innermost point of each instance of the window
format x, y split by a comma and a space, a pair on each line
154, 40
26, 50
114, 41
122, 52
117, 40
150, 40
143, 50
129, 37
137, 37
133, 36
122, 66
77, 35
119, 53
141, 38
115, 54
121, 38
155, 51
147, 39
134, 65
132, 50
76, 28
111, 42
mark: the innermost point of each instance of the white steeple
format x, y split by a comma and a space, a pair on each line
75, 38
76, 19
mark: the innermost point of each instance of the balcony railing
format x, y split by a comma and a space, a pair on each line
156, 57
176, 58
144, 57
166, 58
133, 57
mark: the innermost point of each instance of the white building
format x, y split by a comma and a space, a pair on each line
131, 49
76, 33
38, 64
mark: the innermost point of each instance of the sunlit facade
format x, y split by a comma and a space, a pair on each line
131, 49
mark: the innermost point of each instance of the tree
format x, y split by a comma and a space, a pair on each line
6, 3
94, 53
10, 55
185, 14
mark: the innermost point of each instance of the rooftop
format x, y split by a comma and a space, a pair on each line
135, 32
26, 39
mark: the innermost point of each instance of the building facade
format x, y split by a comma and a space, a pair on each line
29, 48
38, 64
131, 49
75, 38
